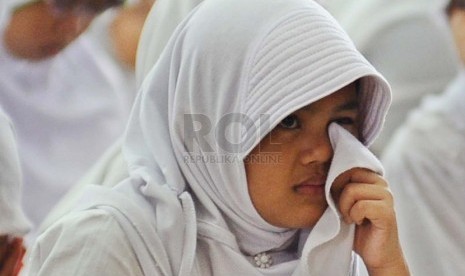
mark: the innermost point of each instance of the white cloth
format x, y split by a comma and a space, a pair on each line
12, 219
66, 110
409, 42
331, 240
188, 218
424, 163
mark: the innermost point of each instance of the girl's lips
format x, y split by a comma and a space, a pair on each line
311, 187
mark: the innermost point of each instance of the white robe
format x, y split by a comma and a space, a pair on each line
409, 42
425, 164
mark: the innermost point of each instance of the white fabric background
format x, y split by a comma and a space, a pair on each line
424, 164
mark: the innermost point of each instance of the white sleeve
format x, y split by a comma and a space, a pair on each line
83, 243
12, 219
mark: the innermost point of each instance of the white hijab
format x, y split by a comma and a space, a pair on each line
248, 57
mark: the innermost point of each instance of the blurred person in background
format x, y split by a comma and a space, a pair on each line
64, 97
125, 30
424, 162
111, 168
117, 32
408, 42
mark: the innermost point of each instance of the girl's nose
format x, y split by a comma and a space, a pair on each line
316, 149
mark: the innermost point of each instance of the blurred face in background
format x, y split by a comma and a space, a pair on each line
457, 23
42, 29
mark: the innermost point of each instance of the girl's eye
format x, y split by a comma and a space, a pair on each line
345, 121
290, 122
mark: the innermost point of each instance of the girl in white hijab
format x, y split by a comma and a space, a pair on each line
67, 107
240, 83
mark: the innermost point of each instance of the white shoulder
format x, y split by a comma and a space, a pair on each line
89, 242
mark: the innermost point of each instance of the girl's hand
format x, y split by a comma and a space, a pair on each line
364, 198
11, 255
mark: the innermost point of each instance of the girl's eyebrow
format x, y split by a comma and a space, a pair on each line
352, 105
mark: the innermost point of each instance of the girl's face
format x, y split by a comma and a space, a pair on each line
38, 30
288, 189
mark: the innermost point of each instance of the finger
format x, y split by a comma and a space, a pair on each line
19, 264
13, 256
356, 175
354, 192
378, 212
366, 176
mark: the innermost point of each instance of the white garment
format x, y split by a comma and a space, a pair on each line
102, 234
424, 163
12, 219
185, 218
66, 110
163, 18
408, 41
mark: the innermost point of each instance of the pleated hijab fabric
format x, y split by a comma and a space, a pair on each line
228, 65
